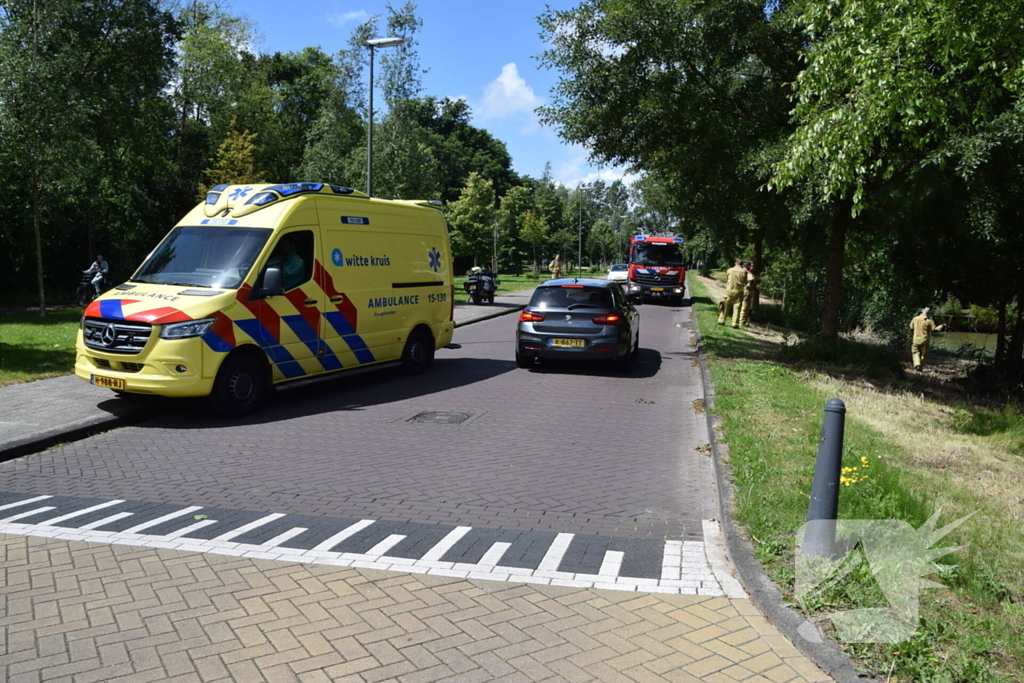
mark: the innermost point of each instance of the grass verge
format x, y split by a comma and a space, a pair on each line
32, 349
906, 456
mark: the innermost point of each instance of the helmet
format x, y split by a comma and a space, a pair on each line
476, 270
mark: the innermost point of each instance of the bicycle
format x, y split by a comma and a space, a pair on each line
86, 292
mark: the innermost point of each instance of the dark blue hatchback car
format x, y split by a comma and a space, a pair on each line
579, 318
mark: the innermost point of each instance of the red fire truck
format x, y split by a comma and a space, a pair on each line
656, 269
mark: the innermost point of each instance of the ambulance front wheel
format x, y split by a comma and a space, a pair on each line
240, 387
419, 351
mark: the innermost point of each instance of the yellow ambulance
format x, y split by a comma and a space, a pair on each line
265, 284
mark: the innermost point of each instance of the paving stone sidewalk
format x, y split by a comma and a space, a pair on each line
81, 612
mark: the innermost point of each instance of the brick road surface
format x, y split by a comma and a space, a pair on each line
563, 448
80, 612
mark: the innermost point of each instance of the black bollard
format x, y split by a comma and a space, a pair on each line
820, 531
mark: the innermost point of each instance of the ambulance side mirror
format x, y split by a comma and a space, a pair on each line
273, 283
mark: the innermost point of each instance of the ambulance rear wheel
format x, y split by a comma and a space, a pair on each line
240, 387
419, 352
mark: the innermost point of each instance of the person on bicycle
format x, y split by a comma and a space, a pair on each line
98, 270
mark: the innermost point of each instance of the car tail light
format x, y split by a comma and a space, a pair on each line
530, 317
610, 319
572, 286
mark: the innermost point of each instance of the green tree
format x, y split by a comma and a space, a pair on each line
889, 89
534, 232
235, 163
63, 68
472, 220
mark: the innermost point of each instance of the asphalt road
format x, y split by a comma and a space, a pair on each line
564, 448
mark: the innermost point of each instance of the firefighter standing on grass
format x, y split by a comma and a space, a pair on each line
750, 294
735, 285
923, 326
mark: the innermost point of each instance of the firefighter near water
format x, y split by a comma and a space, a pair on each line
656, 270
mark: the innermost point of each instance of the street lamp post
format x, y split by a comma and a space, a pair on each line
92, 196
376, 42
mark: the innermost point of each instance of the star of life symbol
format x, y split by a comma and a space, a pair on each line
337, 257
435, 259
898, 556
239, 193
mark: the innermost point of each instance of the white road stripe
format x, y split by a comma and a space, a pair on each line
160, 520
445, 544
281, 538
494, 554
384, 546
27, 514
189, 529
246, 528
24, 502
72, 515
611, 564
342, 535
553, 557
105, 521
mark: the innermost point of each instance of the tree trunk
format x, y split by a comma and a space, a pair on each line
834, 277
1001, 334
1017, 345
758, 260
39, 247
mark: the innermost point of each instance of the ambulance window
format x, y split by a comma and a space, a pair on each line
293, 254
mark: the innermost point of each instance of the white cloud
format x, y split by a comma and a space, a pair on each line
348, 17
576, 169
507, 95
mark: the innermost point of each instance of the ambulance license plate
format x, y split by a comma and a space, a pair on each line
573, 343
108, 382
657, 289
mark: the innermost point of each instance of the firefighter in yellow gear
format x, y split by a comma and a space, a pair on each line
750, 294
735, 285
923, 326
556, 267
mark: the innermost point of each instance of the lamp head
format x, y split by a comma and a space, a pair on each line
385, 42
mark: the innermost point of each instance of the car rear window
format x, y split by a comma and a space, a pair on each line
575, 297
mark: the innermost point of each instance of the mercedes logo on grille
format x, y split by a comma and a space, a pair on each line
109, 335
568, 318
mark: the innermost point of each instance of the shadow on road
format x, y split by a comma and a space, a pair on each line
346, 392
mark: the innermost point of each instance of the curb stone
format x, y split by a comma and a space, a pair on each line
762, 589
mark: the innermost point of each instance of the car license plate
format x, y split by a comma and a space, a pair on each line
657, 289
108, 382
576, 343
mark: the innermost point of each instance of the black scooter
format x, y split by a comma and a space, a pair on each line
481, 286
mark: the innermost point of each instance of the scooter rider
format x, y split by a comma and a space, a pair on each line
98, 270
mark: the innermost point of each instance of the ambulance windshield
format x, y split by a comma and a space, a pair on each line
657, 254
204, 256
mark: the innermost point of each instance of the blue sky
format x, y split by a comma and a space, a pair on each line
480, 50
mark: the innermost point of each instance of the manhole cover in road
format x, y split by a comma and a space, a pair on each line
440, 417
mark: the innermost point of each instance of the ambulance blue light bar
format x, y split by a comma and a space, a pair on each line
338, 189
212, 197
289, 189
262, 198
639, 238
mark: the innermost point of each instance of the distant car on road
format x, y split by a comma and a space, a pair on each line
582, 319
620, 271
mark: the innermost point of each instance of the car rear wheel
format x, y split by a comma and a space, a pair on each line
419, 352
627, 361
240, 387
